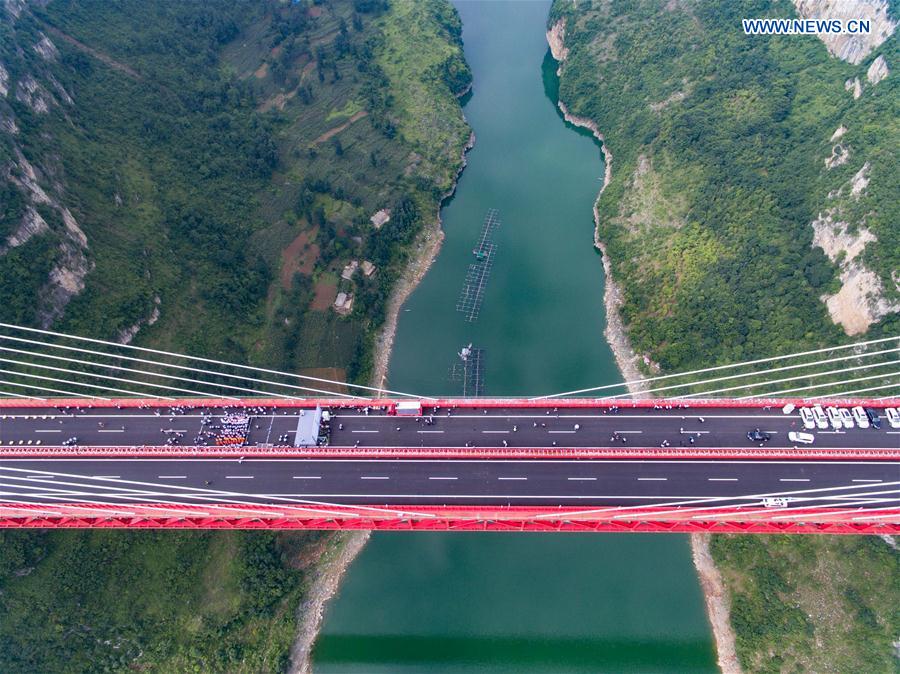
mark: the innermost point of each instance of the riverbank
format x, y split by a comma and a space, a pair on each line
715, 595
324, 585
424, 251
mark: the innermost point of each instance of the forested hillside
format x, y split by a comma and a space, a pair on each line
196, 177
720, 143
753, 211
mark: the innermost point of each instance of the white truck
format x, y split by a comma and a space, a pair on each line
408, 408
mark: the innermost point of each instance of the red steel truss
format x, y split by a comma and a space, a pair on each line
460, 518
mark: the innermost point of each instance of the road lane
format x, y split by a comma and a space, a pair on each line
501, 482
455, 428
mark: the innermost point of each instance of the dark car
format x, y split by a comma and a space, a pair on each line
758, 436
874, 419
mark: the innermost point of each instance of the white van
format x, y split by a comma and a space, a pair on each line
846, 417
859, 414
835, 418
893, 417
801, 438
821, 419
808, 418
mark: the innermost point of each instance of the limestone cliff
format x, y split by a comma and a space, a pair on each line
36, 176
851, 48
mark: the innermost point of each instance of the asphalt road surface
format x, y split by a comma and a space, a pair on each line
857, 484
691, 427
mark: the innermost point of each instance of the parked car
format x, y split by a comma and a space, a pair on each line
808, 418
802, 438
757, 435
821, 419
859, 415
835, 418
873, 418
893, 417
787, 409
846, 417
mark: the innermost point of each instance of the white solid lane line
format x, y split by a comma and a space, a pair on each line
106, 477
580, 479
652, 479
307, 477
48, 430
793, 479
430, 431
865, 480
374, 477
722, 479
495, 431
171, 477
364, 431
238, 477
512, 478
293, 503
620, 432
560, 431
443, 478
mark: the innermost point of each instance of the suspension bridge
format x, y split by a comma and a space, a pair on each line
100, 434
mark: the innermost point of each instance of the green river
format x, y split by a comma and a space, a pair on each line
457, 603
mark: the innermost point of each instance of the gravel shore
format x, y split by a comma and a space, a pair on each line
324, 585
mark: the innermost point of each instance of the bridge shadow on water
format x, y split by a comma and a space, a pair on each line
445, 654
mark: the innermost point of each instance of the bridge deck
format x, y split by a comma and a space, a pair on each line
48, 484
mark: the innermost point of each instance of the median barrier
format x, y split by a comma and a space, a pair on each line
459, 453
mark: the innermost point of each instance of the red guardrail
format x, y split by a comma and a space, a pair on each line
479, 403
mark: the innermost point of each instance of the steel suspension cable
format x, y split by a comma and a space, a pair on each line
204, 360
716, 368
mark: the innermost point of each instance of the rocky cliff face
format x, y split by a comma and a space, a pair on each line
851, 48
28, 85
843, 236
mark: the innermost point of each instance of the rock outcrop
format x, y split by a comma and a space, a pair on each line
556, 38
877, 71
851, 48
861, 300
854, 86
37, 178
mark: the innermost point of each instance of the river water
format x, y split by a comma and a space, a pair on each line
455, 603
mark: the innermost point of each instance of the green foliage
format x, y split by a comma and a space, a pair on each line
153, 601
791, 592
23, 272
